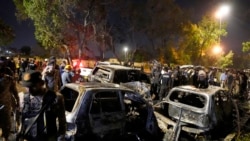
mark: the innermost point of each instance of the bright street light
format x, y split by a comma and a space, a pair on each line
125, 51
217, 49
222, 12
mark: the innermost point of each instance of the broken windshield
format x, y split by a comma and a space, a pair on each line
188, 98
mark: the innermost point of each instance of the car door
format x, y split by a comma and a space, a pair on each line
223, 109
106, 112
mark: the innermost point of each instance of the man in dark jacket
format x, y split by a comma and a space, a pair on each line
165, 83
41, 108
8, 98
154, 89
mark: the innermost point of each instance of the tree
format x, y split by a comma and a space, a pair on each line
226, 61
165, 27
6, 34
26, 50
200, 38
243, 58
75, 23
61, 23
245, 46
245, 50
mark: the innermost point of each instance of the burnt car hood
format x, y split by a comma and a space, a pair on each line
141, 88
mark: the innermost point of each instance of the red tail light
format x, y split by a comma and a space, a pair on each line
77, 64
74, 63
81, 65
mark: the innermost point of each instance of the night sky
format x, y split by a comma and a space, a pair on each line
238, 21
24, 30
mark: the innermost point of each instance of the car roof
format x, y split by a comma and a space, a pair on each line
95, 85
115, 67
211, 90
86, 68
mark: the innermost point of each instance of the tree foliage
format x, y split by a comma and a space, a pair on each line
241, 61
245, 46
26, 50
226, 61
165, 28
76, 23
61, 23
6, 34
200, 38
243, 58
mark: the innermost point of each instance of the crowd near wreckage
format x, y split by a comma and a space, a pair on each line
118, 104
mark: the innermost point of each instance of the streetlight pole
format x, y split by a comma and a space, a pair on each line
222, 12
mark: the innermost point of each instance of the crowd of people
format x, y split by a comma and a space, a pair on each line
39, 112
165, 78
41, 106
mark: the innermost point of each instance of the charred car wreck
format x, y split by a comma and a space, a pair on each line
105, 111
190, 113
117, 74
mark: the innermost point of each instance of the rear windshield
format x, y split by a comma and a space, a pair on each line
123, 76
188, 98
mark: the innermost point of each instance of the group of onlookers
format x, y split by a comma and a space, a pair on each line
39, 111
41, 107
164, 78
53, 74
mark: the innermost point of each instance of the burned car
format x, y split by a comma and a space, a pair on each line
106, 111
191, 113
117, 74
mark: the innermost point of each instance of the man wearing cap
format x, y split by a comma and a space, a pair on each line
40, 110
67, 75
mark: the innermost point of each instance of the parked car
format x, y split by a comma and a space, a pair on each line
105, 63
106, 111
85, 72
196, 114
117, 74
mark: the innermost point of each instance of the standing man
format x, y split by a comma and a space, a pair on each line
165, 83
32, 65
52, 76
41, 109
67, 75
211, 76
202, 79
223, 79
62, 66
8, 98
18, 66
154, 88
177, 76
230, 81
